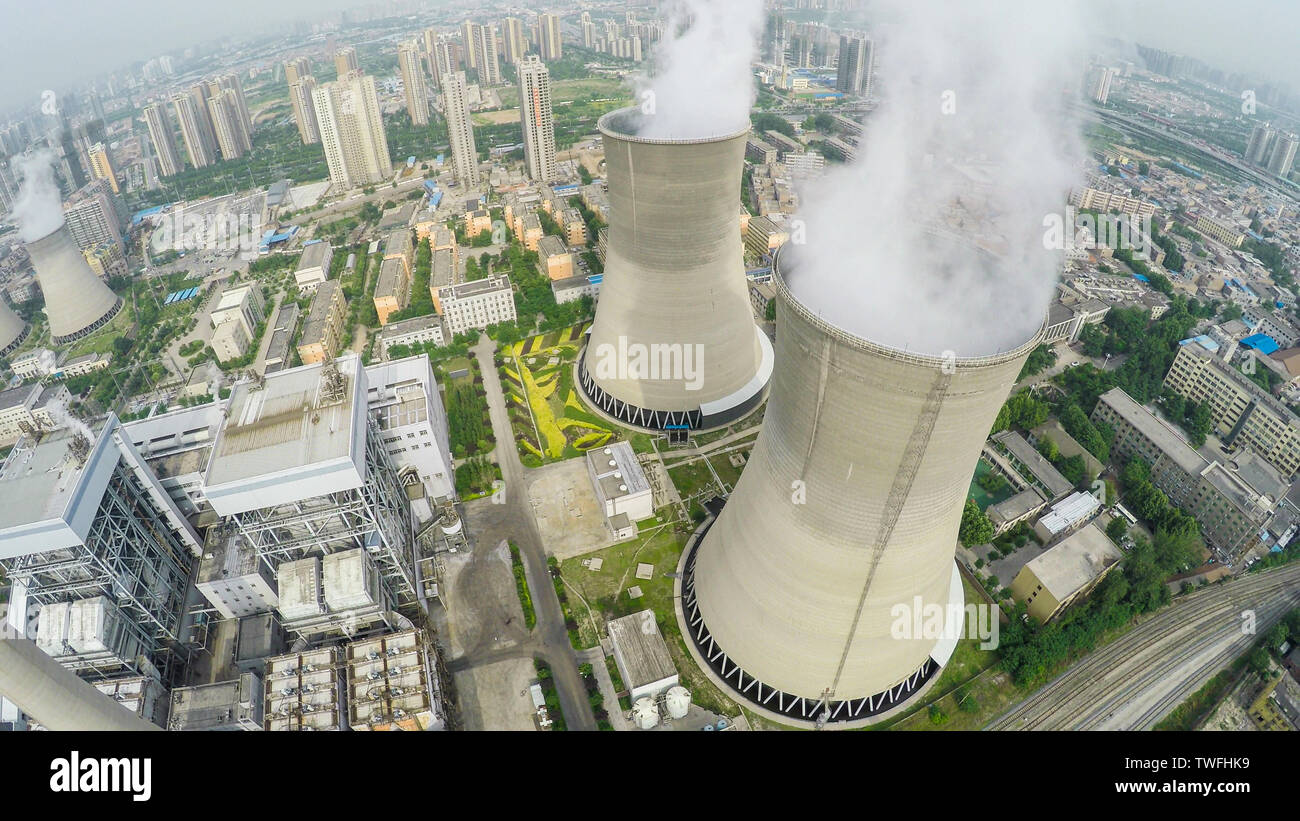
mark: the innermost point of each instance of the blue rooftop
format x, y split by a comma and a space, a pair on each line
1263, 343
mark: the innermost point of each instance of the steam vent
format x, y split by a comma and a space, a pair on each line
674, 289
849, 506
77, 302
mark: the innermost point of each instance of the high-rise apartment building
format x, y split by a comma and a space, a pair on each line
467, 37
486, 61
192, 130
101, 168
199, 94
1261, 139
588, 30
857, 58
164, 141
413, 86
352, 132
1099, 84
537, 120
304, 112
296, 69
345, 62
548, 37
460, 129
1282, 157
229, 128
228, 84
513, 43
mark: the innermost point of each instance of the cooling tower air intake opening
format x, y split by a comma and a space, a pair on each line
803, 710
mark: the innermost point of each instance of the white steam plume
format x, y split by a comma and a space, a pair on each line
972, 137
38, 208
703, 85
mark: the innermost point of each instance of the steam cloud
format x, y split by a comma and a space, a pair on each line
38, 208
703, 84
990, 167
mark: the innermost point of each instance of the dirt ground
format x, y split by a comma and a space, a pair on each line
568, 516
495, 696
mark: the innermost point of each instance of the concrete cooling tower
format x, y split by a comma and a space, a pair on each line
674, 341
848, 507
77, 302
13, 331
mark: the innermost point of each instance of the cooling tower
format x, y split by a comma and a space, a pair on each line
77, 302
674, 341
13, 331
848, 507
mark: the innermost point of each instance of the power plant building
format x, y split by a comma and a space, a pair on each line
89, 534
674, 342
301, 474
849, 507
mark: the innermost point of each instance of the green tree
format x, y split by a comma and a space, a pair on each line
976, 529
1117, 529
1049, 449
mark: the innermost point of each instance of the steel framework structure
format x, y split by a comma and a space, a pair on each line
375, 516
131, 555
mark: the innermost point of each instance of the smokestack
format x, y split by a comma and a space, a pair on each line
77, 302
674, 341
13, 331
849, 506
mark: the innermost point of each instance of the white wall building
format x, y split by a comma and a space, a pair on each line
477, 304
403, 398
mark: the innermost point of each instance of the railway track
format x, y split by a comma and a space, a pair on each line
1156, 652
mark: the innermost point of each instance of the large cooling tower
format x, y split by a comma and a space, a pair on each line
849, 505
674, 289
12, 330
76, 301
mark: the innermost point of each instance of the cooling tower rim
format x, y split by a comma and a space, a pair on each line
63, 223
862, 343
607, 128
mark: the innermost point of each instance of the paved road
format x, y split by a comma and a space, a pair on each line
514, 519
1138, 679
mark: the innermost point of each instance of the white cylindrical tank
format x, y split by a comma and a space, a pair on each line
848, 508
678, 701
644, 713
76, 300
674, 339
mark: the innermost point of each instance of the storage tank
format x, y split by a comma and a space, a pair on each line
678, 701
849, 506
13, 331
644, 713
674, 341
76, 300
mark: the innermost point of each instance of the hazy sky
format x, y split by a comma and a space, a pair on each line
53, 43
56, 43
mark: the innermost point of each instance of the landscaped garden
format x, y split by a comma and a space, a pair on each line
549, 421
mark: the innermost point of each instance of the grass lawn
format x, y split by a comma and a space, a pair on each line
567, 90
606, 593
101, 341
693, 478
971, 669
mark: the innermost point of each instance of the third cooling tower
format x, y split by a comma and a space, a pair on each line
674, 341
815, 589
13, 331
77, 302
